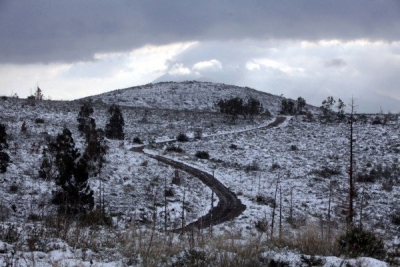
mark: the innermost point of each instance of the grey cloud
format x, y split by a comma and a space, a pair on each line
66, 31
335, 63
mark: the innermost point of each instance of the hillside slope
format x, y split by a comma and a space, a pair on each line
188, 95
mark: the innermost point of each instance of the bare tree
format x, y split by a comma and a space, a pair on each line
38, 94
350, 214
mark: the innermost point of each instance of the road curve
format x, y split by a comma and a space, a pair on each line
229, 206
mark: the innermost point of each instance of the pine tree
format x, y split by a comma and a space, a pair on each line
327, 106
4, 157
341, 106
288, 107
74, 194
86, 124
46, 166
300, 104
253, 107
95, 151
3, 137
115, 126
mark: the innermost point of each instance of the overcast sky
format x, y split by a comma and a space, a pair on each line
308, 48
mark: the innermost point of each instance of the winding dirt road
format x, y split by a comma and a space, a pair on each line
229, 206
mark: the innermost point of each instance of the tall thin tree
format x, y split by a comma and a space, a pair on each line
350, 214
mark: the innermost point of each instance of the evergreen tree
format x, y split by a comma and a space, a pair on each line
115, 126
3, 137
300, 104
253, 107
341, 106
74, 194
233, 107
86, 124
46, 166
288, 107
4, 157
95, 151
236, 107
327, 106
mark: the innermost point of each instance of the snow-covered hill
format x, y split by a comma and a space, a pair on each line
188, 95
307, 159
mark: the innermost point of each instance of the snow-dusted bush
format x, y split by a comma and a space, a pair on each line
198, 133
137, 140
326, 172
202, 155
173, 148
182, 137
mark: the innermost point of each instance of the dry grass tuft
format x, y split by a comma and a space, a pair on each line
310, 240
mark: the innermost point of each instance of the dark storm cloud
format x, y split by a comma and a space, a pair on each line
67, 31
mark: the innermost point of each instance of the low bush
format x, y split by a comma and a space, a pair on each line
233, 146
357, 242
33, 217
252, 167
137, 140
182, 137
14, 188
275, 166
326, 172
174, 149
169, 192
261, 225
266, 200
395, 217
95, 217
202, 155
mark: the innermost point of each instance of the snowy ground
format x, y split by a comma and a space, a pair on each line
251, 163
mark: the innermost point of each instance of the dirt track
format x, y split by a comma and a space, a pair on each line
229, 206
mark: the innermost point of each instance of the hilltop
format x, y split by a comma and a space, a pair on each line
188, 95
